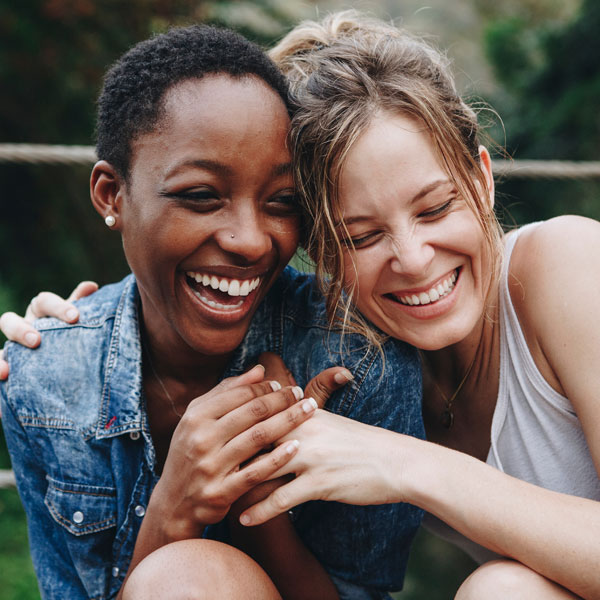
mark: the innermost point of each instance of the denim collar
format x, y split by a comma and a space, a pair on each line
122, 408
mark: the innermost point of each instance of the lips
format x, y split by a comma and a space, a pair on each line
430, 296
221, 293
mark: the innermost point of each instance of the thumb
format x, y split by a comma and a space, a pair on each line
275, 369
254, 375
326, 382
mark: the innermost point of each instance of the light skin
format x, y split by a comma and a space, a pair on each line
408, 245
209, 193
418, 240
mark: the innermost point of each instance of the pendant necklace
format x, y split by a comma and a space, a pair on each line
447, 416
162, 385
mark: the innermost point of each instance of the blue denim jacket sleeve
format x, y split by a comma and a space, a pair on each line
53, 557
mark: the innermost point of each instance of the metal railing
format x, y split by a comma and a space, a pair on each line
86, 155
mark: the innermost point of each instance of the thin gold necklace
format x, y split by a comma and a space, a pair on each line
162, 385
447, 416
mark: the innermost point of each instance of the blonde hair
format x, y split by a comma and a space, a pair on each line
343, 71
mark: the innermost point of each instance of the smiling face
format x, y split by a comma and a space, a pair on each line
420, 268
208, 216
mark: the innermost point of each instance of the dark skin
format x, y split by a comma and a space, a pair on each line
275, 545
215, 196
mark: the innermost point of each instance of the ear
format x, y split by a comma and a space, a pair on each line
485, 161
107, 189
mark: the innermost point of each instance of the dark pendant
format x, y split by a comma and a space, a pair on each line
447, 419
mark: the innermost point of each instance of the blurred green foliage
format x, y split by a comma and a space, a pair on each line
550, 78
544, 54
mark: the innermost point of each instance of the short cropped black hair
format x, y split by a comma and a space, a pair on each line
131, 99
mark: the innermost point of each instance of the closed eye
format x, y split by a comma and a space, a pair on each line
438, 211
363, 241
202, 199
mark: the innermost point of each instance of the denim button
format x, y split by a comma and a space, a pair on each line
140, 511
78, 517
115, 571
134, 435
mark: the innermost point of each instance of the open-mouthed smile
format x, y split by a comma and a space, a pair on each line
221, 293
431, 296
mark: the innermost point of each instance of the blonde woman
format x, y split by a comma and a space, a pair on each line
402, 204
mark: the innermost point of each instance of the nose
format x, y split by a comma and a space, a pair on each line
246, 234
411, 253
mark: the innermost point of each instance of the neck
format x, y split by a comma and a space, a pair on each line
474, 352
175, 361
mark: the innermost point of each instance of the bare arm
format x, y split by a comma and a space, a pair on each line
554, 534
202, 476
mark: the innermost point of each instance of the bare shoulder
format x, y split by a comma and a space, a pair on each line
561, 249
554, 281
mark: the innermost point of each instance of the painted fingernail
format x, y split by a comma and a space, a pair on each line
71, 314
275, 385
309, 405
298, 392
292, 447
31, 338
245, 520
343, 376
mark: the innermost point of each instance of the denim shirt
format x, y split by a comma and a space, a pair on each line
75, 422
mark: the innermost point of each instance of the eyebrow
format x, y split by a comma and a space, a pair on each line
223, 169
430, 187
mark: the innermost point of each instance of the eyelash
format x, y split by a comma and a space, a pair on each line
431, 214
205, 200
440, 210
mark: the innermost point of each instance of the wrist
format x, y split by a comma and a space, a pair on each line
171, 521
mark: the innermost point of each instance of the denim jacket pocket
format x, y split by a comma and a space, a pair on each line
88, 515
81, 509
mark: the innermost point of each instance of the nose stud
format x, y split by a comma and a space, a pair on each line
232, 236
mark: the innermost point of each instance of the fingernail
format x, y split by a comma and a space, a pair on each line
71, 314
259, 365
309, 405
31, 338
298, 392
275, 385
292, 446
343, 376
245, 520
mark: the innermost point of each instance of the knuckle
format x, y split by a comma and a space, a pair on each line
280, 500
293, 417
259, 437
252, 476
259, 408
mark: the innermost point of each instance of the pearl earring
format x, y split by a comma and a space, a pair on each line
110, 220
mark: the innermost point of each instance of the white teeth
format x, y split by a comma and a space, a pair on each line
218, 305
433, 295
233, 287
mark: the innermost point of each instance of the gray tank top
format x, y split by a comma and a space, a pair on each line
536, 435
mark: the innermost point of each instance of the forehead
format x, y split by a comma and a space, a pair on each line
218, 114
394, 157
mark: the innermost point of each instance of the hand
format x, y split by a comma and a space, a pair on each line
220, 431
319, 387
338, 459
45, 304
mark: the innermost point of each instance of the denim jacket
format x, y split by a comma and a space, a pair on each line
74, 417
